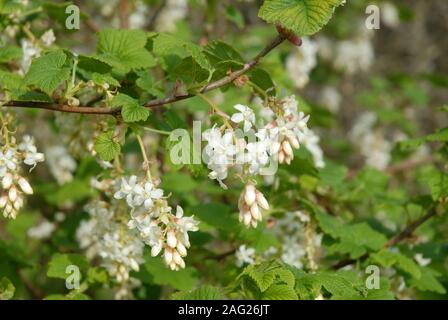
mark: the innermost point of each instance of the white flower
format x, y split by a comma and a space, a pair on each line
422, 261
244, 255
48, 38
246, 115
42, 230
30, 51
300, 63
389, 14
173, 11
61, 164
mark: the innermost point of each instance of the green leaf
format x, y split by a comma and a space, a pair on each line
428, 281
59, 263
131, 110
279, 292
166, 44
11, 81
102, 79
184, 279
48, 71
106, 146
304, 17
7, 289
202, 293
10, 54
387, 258
265, 274
124, 49
235, 16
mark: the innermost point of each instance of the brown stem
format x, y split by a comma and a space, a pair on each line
157, 102
123, 13
403, 235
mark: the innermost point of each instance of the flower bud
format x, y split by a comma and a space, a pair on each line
168, 256
181, 249
171, 239
25, 186
7, 181
12, 194
262, 202
249, 194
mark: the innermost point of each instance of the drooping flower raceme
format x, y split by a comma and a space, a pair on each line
157, 225
250, 151
14, 186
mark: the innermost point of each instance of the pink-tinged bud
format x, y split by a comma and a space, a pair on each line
18, 203
7, 181
181, 249
294, 143
249, 194
281, 157
247, 218
177, 258
287, 148
3, 201
182, 264
262, 202
168, 256
255, 212
12, 194
171, 239
25, 186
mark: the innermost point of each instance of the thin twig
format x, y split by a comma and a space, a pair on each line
154, 103
123, 13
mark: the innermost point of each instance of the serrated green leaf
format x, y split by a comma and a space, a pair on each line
202, 293
10, 53
124, 49
184, 279
48, 72
106, 146
304, 17
59, 262
428, 281
166, 44
279, 292
131, 110
387, 258
102, 79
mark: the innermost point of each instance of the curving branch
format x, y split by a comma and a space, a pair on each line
403, 235
153, 103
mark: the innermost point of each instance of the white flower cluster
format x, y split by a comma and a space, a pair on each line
250, 150
155, 222
105, 236
299, 243
244, 255
373, 145
250, 204
173, 11
350, 55
13, 184
301, 62
61, 163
